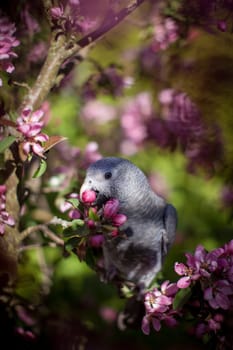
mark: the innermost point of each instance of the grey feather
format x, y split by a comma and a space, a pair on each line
151, 222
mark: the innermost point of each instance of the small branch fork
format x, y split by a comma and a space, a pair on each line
46, 231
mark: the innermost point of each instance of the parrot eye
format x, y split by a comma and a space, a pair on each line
108, 175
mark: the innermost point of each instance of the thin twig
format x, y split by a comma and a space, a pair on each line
46, 231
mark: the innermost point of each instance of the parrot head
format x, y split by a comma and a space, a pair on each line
113, 177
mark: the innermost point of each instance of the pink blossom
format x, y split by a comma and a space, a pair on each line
88, 196
181, 123
29, 124
146, 325
74, 214
111, 208
218, 294
158, 306
7, 45
119, 219
188, 272
165, 33
136, 113
57, 12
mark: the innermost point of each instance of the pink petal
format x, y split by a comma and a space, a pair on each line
27, 147
184, 282
24, 128
111, 208
170, 321
119, 219
222, 300
37, 149
156, 324
145, 325
37, 115
180, 268
41, 138
34, 129
208, 294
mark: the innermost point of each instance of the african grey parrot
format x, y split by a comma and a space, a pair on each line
151, 222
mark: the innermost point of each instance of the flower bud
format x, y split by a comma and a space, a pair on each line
91, 224
88, 196
114, 233
74, 214
111, 208
96, 241
119, 219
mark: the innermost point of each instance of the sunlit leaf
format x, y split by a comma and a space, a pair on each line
92, 215
74, 201
52, 141
41, 170
77, 222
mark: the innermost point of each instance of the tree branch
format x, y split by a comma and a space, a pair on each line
46, 79
46, 231
111, 21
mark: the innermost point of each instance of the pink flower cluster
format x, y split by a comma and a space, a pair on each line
158, 306
98, 223
70, 16
204, 293
212, 274
5, 217
181, 124
214, 271
108, 214
7, 43
134, 118
165, 33
29, 124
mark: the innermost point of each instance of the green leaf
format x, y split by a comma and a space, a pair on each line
181, 298
92, 215
41, 170
80, 232
73, 242
6, 142
77, 222
74, 201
